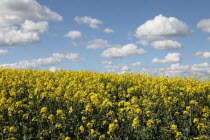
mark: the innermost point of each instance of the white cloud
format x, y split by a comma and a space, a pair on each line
41, 62
26, 34
166, 45
203, 54
73, 57
3, 52
91, 22
208, 38
169, 58
97, 43
204, 25
74, 34
119, 52
52, 69
202, 69
106, 62
143, 42
137, 64
125, 68
69, 56
177, 69
30, 26
12, 36
111, 67
108, 30
16, 12
162, 28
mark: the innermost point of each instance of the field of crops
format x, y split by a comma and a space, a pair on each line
68, 105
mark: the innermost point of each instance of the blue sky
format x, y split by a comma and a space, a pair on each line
119, 36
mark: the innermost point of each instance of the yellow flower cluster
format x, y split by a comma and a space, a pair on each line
89, 105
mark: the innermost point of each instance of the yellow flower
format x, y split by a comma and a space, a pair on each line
43, 110
12, 138
67, 138
173, 127
150, 123
71, 109
102, 137
25, 116
193, 102
89, 124
135, 123
178, 134
115, 120
81, 128
206, 115
202, 127
112, 127
59, 112
195, 120
185, 112
92, 131
187, 108
134, 99
148, 113
104, 122
58, 125
51, 117
176, 113
12, 129
1, 118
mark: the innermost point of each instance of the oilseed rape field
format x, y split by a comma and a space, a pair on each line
68, 105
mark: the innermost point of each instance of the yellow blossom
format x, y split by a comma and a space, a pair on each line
12, 129
81, 128
67, 138
43, 110
195, 120
59, 112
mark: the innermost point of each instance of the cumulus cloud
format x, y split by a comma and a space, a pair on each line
74, 34
169, 58
204, 25
41, 62
137, 64
111, 67
3, 52
176, 69
166, 45
30, 26
119, 52
108, 30
52, 69
26, 34
91, 22
202, 69
106, 62
187, 70
125, 68
16, 12
143, 42
12, 36
162, 27
97, 43
203, 54
73, 57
